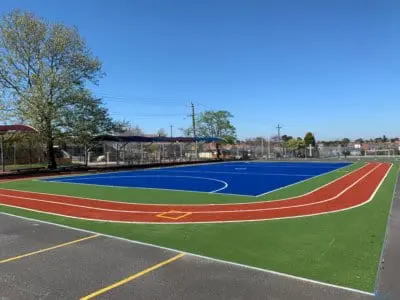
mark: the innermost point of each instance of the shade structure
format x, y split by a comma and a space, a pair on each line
16, 128
157, 139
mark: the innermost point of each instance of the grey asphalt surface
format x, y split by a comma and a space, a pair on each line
77, 270
388, 285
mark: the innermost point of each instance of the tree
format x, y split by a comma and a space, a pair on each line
309, 139
215, 124
286, 138
86, 119
130, 131
384, 139
43, 70
359, 141
294, 144
162, 132
345, 142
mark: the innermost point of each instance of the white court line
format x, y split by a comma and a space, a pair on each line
201, 256
207, 222
225, 184
246, 173
211, 204
309, 179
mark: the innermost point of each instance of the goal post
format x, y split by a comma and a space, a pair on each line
380, 152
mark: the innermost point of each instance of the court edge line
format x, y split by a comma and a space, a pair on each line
199, 256
132, 277
211, 204
48, 249
307, 179
209, 222
387, 230
198, 212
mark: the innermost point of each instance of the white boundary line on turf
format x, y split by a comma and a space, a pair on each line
211, 222
199, 212
387, 231
211, 204
268, 271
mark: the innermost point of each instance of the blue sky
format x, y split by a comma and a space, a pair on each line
330, 67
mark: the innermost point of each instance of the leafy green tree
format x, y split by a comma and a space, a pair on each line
43, 70
309, 139
286, 138
294, 144
87, 118
214, 124
345, 142
384, 139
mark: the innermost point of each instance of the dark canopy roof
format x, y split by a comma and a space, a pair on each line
157, 139
16, 128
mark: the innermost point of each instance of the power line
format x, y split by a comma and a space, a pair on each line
119, 98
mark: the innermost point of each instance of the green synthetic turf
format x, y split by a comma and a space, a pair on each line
168, 197
340, 248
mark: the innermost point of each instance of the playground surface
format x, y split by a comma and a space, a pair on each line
97, 266
328, 228
234, 178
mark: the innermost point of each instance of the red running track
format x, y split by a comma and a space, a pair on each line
352, 190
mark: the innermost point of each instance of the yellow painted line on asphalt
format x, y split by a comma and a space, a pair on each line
48, 249
130, 278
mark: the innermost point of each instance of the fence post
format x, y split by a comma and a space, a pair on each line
2, 152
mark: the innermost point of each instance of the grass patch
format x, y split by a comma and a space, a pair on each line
339, 248
170, 197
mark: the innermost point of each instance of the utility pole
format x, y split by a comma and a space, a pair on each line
279, 136
194, 128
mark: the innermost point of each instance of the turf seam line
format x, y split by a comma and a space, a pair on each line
201, 256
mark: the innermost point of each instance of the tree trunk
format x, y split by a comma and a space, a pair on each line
218, 151
51, 154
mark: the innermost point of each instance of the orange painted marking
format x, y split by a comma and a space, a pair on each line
170, 214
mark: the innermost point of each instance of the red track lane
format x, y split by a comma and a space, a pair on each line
348, 191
